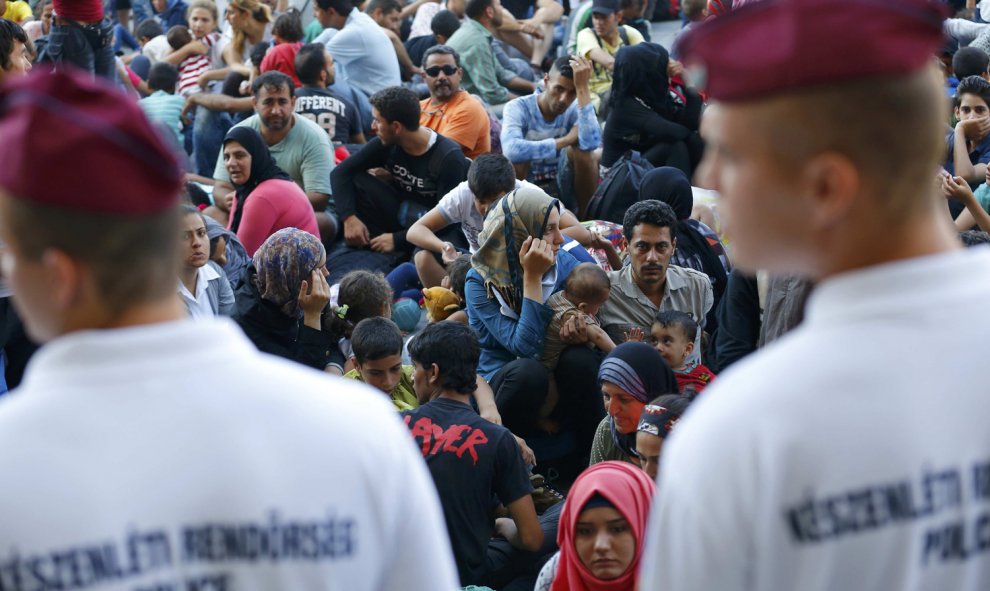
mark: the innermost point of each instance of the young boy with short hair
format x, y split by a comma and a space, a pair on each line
672, 335
489, 177
163, 106
377, 346
969, 143
971, 61
472, 461
15, 49
151, 37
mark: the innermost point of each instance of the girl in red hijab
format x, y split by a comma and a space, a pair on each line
601, 531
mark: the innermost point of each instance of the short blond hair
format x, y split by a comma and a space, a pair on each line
904, 115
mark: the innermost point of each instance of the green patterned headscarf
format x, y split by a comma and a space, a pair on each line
517, 216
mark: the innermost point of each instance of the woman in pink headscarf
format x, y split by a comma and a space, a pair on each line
601, 531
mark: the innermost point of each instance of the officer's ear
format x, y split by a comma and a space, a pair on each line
67, 280
832, 183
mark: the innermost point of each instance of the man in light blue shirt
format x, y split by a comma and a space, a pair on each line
357, 43
553, 140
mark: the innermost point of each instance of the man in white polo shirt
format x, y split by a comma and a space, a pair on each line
853, 452
147, 451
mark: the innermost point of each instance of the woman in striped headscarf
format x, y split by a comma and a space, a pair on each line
631, 376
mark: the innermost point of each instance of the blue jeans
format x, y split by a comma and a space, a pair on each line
87, 48
141, 9
122, 37
209, 129
141, 66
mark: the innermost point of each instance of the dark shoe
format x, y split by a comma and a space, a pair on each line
544, 496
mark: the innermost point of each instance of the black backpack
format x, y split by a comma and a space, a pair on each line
619, 189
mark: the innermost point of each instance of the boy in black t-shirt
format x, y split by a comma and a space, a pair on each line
413, 167
474, 463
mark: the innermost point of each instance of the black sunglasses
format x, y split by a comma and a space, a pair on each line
434, 71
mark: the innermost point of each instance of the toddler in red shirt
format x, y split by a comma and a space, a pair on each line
672, 335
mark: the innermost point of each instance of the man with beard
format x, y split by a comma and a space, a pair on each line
649, 284
483, 74
411, 167
450, 111
299, 146
315, 101
547, 135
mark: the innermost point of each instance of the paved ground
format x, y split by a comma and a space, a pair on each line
664, 32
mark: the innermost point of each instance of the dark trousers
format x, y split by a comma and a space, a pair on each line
377, 204
383, 210
520, 389
86, 47
684, 155
510, 569
580, 404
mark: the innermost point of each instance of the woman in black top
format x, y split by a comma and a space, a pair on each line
279, 305
649, 116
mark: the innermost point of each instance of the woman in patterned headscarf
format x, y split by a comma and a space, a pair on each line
631, 376
518, 266
655, 424
280, 304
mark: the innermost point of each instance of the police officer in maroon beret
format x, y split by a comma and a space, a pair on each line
853, 453
147, 450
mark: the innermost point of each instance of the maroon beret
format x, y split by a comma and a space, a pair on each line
770, 47
73, 142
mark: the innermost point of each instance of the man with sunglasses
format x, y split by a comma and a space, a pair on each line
450, 111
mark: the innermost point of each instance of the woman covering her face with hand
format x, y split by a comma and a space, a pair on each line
281, 303
518, 266
601, 531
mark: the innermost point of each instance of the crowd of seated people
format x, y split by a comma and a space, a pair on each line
342, 178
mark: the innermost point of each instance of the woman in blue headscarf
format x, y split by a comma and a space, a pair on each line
631, 376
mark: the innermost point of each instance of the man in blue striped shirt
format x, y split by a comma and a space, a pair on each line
552, 139
163, 106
